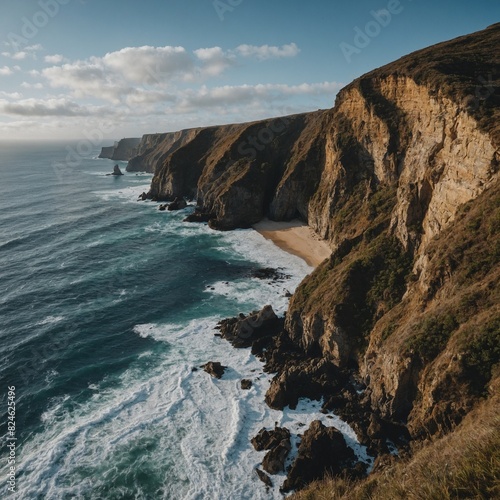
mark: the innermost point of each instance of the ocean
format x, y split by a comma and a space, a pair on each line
106, 306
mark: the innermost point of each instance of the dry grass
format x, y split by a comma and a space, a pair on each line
462, 465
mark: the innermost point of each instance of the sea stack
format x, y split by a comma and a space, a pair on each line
116, 170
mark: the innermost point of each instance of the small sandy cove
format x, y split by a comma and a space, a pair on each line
297, 238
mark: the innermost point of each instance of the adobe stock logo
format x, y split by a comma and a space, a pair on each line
31, 26
363, 37
223, 6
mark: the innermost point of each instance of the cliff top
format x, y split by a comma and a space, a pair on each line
465, 69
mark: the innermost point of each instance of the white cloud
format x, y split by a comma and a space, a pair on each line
264, 52
149, 64
54, 59
11, 95
214, 60
29, 51
251, 94
41, 107
5, 71
26, 85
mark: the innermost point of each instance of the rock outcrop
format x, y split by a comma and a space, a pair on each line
214, 368
322, 451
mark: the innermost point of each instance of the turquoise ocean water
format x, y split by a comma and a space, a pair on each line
106, 305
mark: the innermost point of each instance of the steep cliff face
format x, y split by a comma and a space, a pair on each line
154, 148
239, 173
122, 150
384, 178
406, 150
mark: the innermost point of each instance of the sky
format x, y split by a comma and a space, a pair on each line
107, 69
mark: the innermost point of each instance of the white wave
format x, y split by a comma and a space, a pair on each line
144, 331
49, 320
167, 414
128, 193
198, 429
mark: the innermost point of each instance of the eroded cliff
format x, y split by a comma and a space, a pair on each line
401, 178
123, 150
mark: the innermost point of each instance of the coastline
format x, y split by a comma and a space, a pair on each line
297, 238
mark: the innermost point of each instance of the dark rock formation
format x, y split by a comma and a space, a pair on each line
116, 170
268, 273
322, 451
267, 439
277, 441
177, 204
214, 368
246, 384
264, 478
312, 378
198, 216
243, 331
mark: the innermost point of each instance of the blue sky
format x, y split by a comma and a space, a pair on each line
107, 69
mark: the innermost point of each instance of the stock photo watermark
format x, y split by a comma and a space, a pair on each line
32, 25
11, 440
379, 19
222, 7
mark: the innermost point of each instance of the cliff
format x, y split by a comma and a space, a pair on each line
122, 150
153, 149
401, 178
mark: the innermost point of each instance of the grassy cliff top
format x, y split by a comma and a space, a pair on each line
465, 69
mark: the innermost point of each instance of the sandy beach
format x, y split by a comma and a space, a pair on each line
297, 238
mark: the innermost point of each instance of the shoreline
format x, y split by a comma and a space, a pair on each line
296, 238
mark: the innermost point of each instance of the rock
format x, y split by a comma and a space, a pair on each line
162, 208
264, 478
116, 170
322, 450
197, 216
265, 440
246, 384
313, 378
214, 368
177, 204
269, 273
143, 196
242, 331
274, 461
277, 441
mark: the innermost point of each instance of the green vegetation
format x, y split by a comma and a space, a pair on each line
431, 336
482, 352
